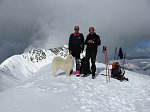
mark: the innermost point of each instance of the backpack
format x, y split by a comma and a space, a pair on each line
115, 65
117, 72
83, 66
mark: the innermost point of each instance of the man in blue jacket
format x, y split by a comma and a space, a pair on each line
92, 41
76, 46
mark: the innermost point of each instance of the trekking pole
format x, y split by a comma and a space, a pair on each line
106, 63
124, 58
116, 53
104, 48
108, 75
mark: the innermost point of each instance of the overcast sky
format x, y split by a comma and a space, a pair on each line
48, 23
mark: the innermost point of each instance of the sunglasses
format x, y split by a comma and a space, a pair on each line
76, 29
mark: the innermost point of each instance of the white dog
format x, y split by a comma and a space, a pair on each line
63, 64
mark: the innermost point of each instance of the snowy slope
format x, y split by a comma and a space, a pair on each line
45, 93
19, 68
36, 90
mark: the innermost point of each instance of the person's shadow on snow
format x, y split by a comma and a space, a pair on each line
98, 72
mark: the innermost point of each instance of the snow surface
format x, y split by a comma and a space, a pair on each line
45, 93
30, 87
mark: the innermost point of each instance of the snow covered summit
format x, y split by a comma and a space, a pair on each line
18, 68
37, 90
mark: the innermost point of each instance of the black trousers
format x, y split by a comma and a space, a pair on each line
91, 55
76, 54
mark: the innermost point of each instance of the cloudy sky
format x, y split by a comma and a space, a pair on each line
48, 23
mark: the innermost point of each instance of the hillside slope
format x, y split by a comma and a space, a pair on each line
45, 93
19, 68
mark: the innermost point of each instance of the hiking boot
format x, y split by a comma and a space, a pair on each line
93, 75
77, 73
127, 79
121, 80
71, 72
85, 75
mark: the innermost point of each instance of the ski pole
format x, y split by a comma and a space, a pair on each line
108, 76
106, 63
116, 53
124, 59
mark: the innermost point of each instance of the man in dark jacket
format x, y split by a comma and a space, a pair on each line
76, 46
92, 41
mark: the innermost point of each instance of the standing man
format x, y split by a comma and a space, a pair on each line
76, 46
92, 41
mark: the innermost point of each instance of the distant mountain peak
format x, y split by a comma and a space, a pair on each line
37, 55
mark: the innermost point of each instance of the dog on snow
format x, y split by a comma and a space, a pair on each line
63, 64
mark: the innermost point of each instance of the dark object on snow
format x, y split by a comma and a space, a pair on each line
83, 67
83, 64
117, 72
120, 55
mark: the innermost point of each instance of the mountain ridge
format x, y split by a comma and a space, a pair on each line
18, 68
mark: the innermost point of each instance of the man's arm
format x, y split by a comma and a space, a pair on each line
86, 41
97, 41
